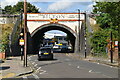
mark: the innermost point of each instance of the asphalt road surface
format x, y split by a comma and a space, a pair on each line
64, 66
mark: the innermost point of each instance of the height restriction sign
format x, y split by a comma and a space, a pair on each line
21, 42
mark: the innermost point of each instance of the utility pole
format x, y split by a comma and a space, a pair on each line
85, 36
111, 52
25, 33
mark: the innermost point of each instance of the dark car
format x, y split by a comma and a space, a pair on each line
45, 53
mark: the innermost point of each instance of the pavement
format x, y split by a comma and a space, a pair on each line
13, 68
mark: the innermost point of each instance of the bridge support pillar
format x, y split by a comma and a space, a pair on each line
77, 44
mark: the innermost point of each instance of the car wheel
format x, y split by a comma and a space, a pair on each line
51, 57
39, 58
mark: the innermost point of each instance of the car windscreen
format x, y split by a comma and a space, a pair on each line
45, 50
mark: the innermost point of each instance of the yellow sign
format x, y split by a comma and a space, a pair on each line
21, 42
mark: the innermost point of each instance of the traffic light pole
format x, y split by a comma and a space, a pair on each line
25, 33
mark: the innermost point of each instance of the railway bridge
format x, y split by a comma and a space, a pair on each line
70, 23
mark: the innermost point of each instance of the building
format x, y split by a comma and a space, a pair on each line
61, 40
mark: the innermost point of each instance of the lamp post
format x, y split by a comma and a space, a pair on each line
25, 33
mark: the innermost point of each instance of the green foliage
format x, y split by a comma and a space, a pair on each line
99, 40
6, 30
19, 7
109, 20
111, 9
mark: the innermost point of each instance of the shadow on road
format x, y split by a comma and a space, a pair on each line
8, 59
4, 68
48, 59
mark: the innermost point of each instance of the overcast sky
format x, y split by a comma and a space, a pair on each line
56, 6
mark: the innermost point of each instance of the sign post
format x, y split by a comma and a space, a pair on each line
21, 43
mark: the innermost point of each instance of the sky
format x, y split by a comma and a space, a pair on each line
56, 6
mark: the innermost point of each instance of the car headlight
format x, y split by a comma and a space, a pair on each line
69, 48
39, 52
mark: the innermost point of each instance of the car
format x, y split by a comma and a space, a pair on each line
60, 48
45, 53
56, 48
50, 46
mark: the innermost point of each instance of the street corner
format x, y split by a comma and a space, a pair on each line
9, 75
28, 71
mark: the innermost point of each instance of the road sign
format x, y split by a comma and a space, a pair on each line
21, 42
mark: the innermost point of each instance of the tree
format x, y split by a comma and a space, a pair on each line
19, 7
8, 9
109, 20
110, 10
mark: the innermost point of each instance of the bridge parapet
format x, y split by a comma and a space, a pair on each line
36, 20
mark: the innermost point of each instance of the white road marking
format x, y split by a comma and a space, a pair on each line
44, 72
25, 78
111, 66
36, 77
38, 69
78, 66
90, 70
35, 65
98, 63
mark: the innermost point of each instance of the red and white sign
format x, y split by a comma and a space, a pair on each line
116, 43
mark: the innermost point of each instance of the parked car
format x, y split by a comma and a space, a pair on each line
45, 53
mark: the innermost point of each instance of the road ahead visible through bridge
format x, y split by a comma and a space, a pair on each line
67, 67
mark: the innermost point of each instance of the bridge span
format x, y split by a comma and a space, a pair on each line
70, 23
